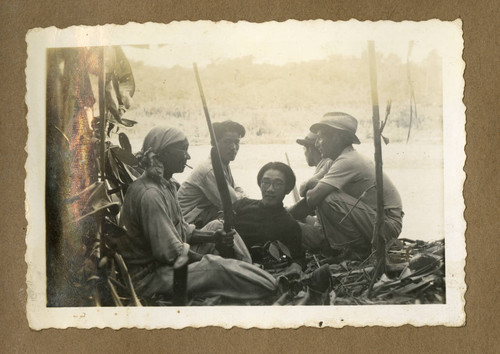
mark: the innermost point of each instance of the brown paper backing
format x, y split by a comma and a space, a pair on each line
481, 190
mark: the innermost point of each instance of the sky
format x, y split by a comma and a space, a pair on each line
280, 43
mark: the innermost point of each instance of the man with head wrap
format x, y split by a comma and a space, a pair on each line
198, 195
157, 233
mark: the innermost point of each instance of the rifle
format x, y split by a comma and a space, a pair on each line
296, 196
220, 178
180, 277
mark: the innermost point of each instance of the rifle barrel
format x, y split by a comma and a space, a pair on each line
296, 196
220, 177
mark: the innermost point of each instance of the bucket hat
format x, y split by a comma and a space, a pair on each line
340, 121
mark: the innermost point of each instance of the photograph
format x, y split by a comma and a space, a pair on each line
269, 175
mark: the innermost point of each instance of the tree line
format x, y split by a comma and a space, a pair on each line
276, 103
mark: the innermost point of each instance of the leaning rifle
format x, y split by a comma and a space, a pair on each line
220, 178
296, 197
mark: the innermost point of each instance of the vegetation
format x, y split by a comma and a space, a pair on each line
275, 103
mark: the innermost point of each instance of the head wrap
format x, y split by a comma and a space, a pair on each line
339, 121
157, 139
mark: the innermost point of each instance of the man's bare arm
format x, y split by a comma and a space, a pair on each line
316, 195
308, 185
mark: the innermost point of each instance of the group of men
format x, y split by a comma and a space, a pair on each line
164, 219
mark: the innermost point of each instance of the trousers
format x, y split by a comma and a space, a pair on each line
355, 230
214, 275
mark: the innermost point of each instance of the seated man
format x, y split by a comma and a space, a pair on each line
157, 233
350, 177
314, 159
259, 221
198, 195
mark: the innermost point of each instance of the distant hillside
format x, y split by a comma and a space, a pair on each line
279, 103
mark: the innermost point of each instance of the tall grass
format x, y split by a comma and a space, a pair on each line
276, 104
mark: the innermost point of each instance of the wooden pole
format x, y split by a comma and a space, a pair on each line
378, 241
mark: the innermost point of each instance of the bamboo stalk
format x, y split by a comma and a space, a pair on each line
114, 294
126, 277
378, 241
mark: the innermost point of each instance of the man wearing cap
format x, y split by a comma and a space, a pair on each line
157, 234
198, 196
314, 159
350, 177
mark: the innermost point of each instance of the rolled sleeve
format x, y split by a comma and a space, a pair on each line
340, 173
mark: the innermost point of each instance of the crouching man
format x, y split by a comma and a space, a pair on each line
157, 233
346, 225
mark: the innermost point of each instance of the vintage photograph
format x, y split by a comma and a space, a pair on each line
241, 174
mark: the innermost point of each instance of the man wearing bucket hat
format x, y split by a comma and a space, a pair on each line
345, 199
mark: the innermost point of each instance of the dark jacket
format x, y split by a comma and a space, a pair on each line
257, 224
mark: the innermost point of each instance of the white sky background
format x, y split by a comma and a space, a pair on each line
278, 43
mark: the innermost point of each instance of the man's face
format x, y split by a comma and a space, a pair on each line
329, 143
312, 155
229, 144
174, 157
272, 187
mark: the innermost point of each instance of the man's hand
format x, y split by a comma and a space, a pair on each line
223, 238
224, 241
316, 195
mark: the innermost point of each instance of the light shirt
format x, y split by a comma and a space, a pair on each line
354, 174
155, 227
199, 191
322, 167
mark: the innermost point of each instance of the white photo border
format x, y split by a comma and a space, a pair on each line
450, 314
